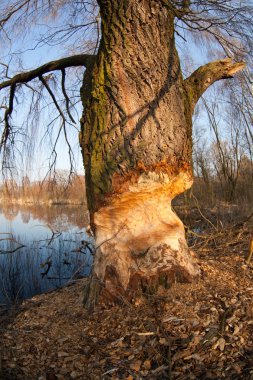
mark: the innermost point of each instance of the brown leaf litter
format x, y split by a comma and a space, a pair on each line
202, 330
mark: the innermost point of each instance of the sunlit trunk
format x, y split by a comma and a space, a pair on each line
136, 144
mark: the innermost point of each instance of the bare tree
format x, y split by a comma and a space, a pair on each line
136, 124
226, 154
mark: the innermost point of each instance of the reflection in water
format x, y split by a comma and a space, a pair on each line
75, 215
49, 247
25, 216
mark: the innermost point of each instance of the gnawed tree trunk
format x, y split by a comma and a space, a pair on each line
137, 146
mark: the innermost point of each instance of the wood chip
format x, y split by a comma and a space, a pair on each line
136, 365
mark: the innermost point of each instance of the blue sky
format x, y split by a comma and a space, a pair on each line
31, 58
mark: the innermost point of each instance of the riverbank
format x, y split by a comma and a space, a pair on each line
202, 330
40, 202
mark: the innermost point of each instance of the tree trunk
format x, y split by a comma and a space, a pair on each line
136, 143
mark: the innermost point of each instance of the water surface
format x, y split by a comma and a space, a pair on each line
41, 248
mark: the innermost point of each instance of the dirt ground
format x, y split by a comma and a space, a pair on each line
202, 330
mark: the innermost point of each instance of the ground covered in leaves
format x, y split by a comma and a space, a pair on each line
202, 330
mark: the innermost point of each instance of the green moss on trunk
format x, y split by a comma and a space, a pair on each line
134, 101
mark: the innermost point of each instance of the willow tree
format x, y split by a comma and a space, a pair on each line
136, 132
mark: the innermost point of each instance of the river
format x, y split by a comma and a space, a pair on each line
41, 248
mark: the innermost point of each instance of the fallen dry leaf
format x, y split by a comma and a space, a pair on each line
147, 364
136, 365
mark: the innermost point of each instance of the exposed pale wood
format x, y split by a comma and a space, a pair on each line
140, 243
250, 252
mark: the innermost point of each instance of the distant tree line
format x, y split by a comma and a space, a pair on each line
59, 189
223, 155
223, 175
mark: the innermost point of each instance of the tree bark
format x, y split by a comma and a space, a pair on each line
137, 147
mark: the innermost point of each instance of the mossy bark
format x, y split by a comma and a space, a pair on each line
136, 117
137, 148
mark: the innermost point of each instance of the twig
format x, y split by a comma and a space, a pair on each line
243, 221
66, 95
227, 313
203, 216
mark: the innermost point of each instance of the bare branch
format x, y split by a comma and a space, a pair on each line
63, 63
13, 9
66, 95
12, 239
43, 80
198, 82
7, 114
